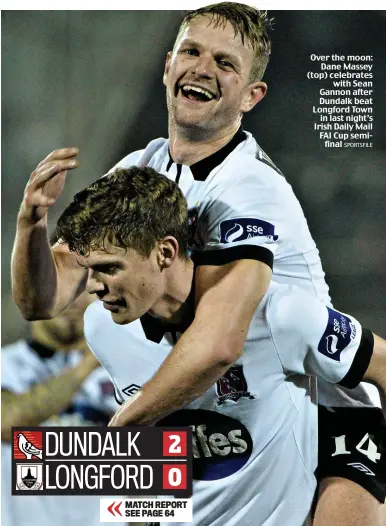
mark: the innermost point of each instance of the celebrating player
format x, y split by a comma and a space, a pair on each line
254, 422
250, 227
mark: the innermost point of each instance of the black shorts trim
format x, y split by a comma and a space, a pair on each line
228, 255
361, 361
367, 484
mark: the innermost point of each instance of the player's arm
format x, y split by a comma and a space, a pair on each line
44, 280
43, 400
227, 298
314, 339
376, 371
232, 275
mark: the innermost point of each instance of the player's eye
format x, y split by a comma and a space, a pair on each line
191, 51
224, 63
111, 270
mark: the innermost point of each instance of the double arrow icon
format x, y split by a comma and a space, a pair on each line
115, 508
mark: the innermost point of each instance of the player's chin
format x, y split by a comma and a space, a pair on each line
193, 110
196, 121
122, 318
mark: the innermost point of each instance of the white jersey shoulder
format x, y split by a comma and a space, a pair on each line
141, 157
243, 201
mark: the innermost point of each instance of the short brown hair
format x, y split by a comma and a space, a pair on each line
129, 208
251, 24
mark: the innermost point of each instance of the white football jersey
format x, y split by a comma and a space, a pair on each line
23, 366
255, 430
242, 207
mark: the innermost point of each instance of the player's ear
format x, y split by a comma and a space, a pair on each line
167, 66
168, 249
255, 92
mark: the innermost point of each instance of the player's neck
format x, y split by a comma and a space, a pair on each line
186, 150
47, 338
174, 306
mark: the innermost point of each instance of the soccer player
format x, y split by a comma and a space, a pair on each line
250, 226
51, 379
254, 423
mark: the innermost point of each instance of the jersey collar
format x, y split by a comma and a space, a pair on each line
155, 329
42, 350
202, 169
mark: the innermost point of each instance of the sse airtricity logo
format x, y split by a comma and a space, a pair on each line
340, 331
241, 228
332, 343
221, 445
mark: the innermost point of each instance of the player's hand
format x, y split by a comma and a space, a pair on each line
115, 421
123, 415
46, 184
119, 419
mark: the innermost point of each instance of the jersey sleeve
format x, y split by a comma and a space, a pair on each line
313, 339
120, 349
130, 160
249, 215
10, 380
92, 332
17, 371
140, 157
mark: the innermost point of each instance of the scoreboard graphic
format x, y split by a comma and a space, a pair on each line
102, 461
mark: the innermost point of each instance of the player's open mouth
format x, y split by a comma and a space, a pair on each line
197, 93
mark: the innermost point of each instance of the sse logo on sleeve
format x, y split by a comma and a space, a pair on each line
340, 331
241, 228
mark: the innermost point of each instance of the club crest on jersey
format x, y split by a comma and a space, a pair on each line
233, 385
241, 228
340, 331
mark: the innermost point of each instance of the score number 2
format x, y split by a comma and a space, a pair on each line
174, 443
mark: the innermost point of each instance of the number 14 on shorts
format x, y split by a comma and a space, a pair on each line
371, 452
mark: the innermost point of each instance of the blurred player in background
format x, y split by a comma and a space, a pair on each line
53, 380
250, 226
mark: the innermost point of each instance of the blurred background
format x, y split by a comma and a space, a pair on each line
94, 80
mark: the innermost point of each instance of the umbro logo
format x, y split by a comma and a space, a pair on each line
361, 467
131, 389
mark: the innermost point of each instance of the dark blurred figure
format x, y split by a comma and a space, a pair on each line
52, 379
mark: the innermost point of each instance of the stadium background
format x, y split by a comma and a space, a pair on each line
94, 80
